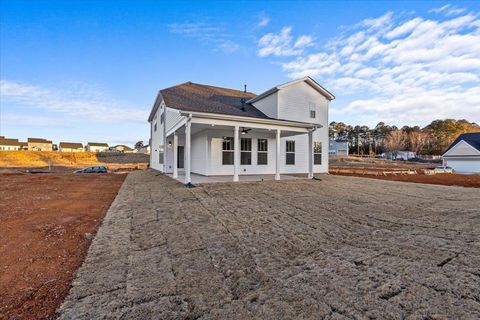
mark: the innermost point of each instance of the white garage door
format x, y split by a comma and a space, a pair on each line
464, 166
341, 152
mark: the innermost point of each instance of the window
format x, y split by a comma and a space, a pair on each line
262, 152
290, 152
160, 154
162, 117
155, 126
317, 153
246, 151
313, 109
227, 150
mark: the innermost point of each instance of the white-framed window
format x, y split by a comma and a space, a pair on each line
155, 126
290, 152
161, 150
262, 151
227, 150
317, 153
313, 110
246, 151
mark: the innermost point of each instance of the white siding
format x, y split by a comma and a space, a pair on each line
469, 165
172, 118
156, 140
199, 153
462, 149
268, 105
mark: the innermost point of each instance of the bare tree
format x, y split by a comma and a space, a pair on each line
395, 141
418, 141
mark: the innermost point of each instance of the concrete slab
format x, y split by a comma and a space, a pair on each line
199, 179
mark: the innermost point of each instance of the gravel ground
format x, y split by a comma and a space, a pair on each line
339, 248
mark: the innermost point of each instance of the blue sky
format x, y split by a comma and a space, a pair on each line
90, 70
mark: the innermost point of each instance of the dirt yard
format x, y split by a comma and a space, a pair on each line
339, 248
463, 180
47, 223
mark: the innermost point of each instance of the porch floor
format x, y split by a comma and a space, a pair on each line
199, 179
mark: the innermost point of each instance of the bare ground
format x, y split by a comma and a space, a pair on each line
47, 222
339, 248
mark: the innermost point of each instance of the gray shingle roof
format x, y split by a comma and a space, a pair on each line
196, 97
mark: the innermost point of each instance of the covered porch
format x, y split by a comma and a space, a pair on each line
204, 148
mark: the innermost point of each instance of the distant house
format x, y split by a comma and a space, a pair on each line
39, 144
337, 148
70, 147
463, 155
9, 144
23, 145
121, 148
96, 147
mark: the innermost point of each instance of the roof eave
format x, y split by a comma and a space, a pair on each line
251, 119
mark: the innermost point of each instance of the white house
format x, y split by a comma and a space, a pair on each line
337, 148
9, 144
211, 131
70, 147
96, 147
463, 155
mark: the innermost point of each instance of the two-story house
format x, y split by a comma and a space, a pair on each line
212, 131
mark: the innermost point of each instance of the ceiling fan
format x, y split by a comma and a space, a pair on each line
245, 130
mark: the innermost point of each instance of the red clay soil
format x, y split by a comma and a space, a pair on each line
46, 223
464, 180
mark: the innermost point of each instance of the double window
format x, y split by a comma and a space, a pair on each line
246, 151
290, 151
262, 152
227, 150
317, 153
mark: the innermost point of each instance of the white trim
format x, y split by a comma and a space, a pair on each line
446, 153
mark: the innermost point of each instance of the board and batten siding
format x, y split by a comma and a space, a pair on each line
156, 139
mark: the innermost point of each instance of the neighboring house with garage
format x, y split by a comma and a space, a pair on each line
7, 144
39, 144
463, 155
96, 147
210, 130
337, 148
70, 147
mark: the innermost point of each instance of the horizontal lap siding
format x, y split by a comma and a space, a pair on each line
294, 104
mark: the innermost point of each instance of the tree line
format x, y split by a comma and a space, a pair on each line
432, 139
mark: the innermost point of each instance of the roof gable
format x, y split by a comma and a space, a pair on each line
310, 81
472, 139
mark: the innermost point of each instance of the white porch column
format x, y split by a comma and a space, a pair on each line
277, 156
236, 153
175, 155
188, 127
310, 155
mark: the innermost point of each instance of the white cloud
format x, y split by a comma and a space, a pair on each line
263, 21
396, 69
206, 33
81, 103
283, 44
448, 10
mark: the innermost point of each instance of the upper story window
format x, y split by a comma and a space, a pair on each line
155, 126
290, 152
227, 150
313, 110
262, 151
